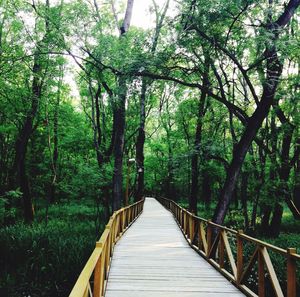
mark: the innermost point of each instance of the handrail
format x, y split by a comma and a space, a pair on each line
99, 262
212, 242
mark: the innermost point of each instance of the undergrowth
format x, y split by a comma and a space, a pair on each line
45, 259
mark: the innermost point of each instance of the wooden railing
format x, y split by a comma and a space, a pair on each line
92, 280
225, 249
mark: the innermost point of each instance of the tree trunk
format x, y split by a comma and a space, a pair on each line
286, 164
265, 223
274, 69
140, 144
197, 143
22, 178
119, 144
273, 73
119, 122
296, 192
244, 198
55, 143
170, 181
206, 189
260, 178
141, 133
265, 220
276, 220
22, 143
27, 128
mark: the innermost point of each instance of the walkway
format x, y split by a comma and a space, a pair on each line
153, 259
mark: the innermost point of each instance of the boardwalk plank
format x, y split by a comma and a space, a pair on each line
154, 259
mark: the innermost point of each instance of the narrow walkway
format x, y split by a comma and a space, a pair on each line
154, 259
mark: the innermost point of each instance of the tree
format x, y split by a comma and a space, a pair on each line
37, 82
140, 142
119, 120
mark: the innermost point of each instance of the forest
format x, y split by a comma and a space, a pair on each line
105, 102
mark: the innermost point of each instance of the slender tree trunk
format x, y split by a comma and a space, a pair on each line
206, 189
197, 143
265, 220
260, 177
22, 143
119, 144
276, 220
267, 209
244, 198
140, 144
99, 139
296, 192
286, 164
27, 128
170, 181
284, 172
119, 121
55, 142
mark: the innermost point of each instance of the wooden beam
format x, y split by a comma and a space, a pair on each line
291, 273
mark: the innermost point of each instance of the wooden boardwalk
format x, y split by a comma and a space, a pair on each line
153, 259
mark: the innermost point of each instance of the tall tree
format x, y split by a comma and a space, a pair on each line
119, 120
197, 142
39, 67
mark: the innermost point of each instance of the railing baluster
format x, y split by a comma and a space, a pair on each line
221, 252
261, 274
86, 292
123, 220
192, 229
200, 244
97, 274
209, 238
239, 259
291, 273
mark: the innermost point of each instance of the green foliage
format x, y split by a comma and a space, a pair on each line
9, 212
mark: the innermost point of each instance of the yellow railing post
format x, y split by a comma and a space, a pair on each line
192, 229
97, 275
181, 218
239, 259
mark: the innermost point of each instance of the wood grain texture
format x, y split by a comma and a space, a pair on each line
153, 259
